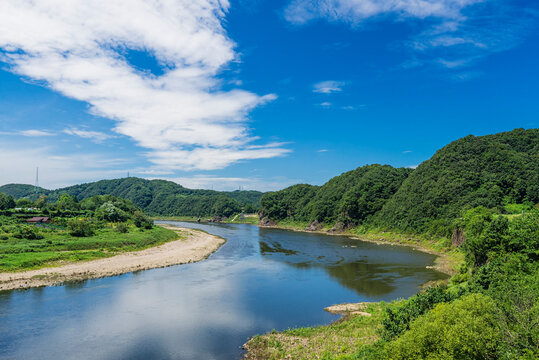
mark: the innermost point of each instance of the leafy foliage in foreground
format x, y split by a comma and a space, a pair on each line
465, 329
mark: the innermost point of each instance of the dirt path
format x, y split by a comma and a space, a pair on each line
195, 246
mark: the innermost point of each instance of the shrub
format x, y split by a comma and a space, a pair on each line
80, 228
122, 228
464, 329
142, 221
109, 212
397, 319
27, 232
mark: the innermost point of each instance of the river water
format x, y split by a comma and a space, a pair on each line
261, 279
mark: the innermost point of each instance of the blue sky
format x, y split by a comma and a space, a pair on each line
259, 94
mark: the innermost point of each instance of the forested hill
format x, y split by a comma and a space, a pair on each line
350, 198
158, 197
491, 171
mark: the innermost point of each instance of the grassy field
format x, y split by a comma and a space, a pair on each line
58, 247
346, 338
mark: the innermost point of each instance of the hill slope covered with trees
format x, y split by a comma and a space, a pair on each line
494, 171
350, 198
157, 197
490, 171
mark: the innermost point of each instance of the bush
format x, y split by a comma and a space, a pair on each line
109, 212
142, 221
464, 329
80, 228
122, 228
27, 232
397, 319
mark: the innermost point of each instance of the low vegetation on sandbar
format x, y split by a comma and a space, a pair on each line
35, 234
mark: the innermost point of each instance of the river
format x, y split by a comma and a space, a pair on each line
261, 279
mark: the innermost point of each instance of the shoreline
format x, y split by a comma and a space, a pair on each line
443, 263
197, 246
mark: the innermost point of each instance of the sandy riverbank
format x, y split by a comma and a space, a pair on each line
194, 246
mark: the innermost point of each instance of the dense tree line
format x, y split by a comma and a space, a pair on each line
487, 171
351, 198
494, 171
157, 197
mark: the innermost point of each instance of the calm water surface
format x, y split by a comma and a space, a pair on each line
261, 279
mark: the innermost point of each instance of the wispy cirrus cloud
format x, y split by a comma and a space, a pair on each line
355, 11
328, 87
29, 133
95, 136
452, 34
223, 183
77, 48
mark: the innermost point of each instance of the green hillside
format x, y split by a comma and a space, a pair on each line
350, 198
493, 171
156, 197
489, 171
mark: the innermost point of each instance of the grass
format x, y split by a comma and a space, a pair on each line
58, 247
346, 338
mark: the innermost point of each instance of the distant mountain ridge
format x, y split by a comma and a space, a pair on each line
490, 171
158, 197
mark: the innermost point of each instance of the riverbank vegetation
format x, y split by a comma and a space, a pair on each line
68, 230
476, 197
489, 309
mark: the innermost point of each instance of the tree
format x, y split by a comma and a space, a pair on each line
80, 228
464, 329
67, 202
109, 212
142, 221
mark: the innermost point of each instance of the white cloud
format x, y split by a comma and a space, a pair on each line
326, 104
19, 162
183, 117
407, 151
221, 183
328, 87
95, 136
322, 150
355, 11
455, 33
36, 133
29, 133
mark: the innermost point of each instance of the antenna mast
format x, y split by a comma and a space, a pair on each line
36, 185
